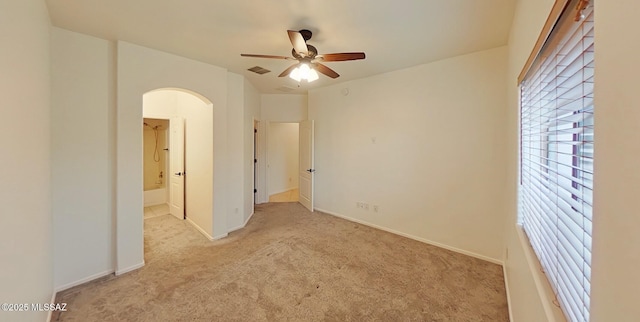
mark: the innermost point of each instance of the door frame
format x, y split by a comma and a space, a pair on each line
263, 138
306, 171
261, 196
254, 171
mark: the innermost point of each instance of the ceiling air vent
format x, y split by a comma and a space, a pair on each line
258, 70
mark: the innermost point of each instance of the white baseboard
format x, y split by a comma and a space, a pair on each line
220, 236
53, 300
506, 287
243, 225
420, 239
235, 228
129, 269
83, 280
198, 228
248, 218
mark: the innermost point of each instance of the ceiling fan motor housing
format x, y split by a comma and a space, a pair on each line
306, 34
312, 52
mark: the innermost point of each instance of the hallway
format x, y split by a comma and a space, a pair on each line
287, 196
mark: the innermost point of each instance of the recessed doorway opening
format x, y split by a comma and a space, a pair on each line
283, 162
187, 148
155, 166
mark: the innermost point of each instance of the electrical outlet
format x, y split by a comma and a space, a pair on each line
375, 208
366, 206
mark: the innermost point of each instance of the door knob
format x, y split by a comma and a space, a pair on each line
311, 170
178, 174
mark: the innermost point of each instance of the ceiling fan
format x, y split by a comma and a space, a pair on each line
309, 61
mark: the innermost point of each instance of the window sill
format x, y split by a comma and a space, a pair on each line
547, 297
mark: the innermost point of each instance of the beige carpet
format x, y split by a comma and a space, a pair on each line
291, 265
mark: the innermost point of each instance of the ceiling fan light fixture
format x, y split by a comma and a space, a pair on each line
304, 72
313, 75
295, 74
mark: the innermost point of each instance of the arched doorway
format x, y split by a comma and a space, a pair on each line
189, 153
141, 70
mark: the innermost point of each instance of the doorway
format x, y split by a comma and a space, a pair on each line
283, 162
189, 154
155, 167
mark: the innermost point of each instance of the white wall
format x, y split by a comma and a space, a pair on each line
235, 115
199, 146
25, 223
251, 113
161, 103
141, 70
81, 159
616, 226
425, 144
282, 164
283, 107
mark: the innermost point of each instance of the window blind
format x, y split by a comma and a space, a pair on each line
556, 168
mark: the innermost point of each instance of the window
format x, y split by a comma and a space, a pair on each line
556, 166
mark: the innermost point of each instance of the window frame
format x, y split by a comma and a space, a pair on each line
574, 172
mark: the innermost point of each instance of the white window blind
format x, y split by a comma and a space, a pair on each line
555, 195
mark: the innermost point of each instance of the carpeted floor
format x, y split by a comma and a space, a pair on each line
291, 265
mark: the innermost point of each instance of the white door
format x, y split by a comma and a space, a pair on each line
306, 164
176, 165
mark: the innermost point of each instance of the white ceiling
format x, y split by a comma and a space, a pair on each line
394, 35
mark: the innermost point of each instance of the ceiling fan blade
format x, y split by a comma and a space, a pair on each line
287, 71
341, 56
326, 70
298, 43
266, 56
